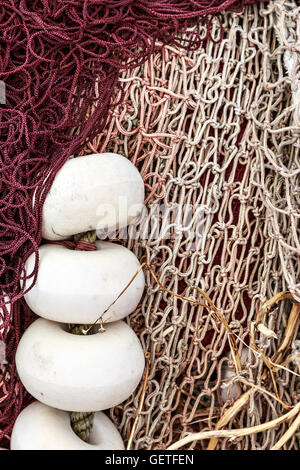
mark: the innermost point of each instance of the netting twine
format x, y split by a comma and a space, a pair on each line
51, 55
216, 127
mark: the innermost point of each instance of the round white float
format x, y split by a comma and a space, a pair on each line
98, 191
76, 372
40, 427
77, 286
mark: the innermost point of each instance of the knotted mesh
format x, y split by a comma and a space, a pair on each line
51, 55
217, 129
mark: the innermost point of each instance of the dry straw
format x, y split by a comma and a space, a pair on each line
272, 364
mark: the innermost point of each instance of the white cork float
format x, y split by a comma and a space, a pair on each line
99, 191
82, 373
40, 427
76, 286
77, 372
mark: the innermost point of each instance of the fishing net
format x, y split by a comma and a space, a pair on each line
51, 56
216, 130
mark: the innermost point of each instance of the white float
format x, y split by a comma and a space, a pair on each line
77, 372
77, 286
40, 427
99, 191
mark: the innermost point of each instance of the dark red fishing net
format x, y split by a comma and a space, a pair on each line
51, 54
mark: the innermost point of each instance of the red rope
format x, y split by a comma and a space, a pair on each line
50, 55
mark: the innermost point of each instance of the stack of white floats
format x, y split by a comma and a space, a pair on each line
67, 372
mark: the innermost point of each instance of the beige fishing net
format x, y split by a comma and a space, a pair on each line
217, 131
